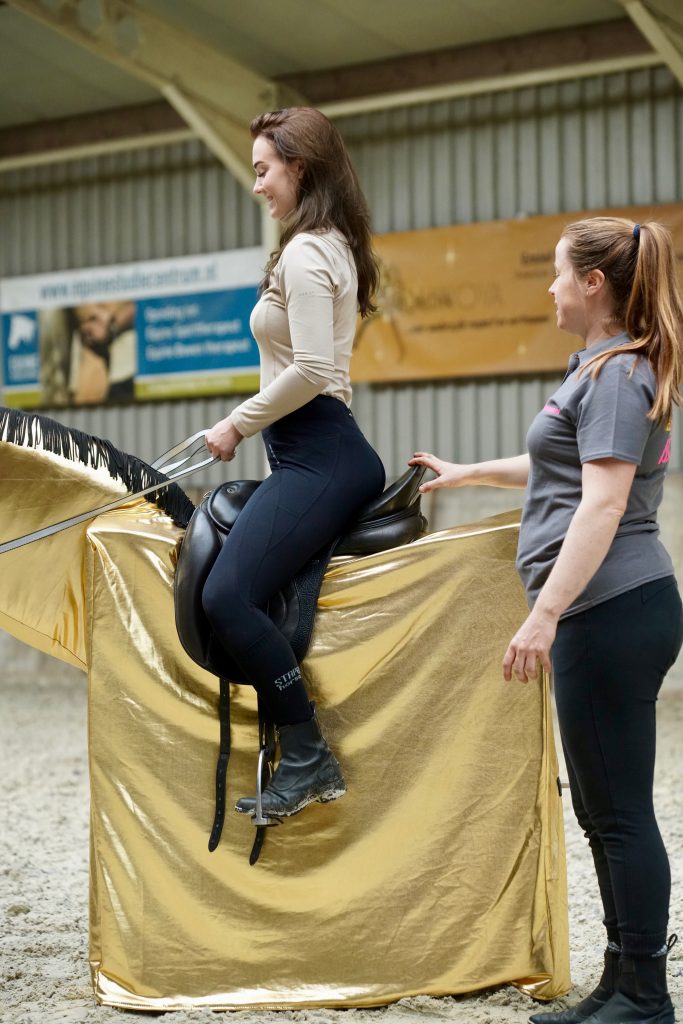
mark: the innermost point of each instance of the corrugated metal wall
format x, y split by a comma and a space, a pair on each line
594, 143
144, 204
572, 146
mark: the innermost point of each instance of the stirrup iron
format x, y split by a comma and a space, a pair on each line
264, 769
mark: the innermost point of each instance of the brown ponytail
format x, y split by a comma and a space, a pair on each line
639, 264
329, 193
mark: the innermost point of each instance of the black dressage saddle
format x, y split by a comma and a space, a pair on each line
392, 519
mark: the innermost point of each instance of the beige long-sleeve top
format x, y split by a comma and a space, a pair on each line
304, 324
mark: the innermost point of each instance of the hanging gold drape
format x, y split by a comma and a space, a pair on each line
441, 870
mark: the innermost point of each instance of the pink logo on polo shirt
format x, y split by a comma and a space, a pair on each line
666, 453
551, 409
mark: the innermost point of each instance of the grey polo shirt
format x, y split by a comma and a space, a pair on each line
585, 420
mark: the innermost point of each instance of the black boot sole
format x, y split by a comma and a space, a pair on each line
326, 797
568, 1016
622, 1010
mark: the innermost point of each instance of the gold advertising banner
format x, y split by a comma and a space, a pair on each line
472, 300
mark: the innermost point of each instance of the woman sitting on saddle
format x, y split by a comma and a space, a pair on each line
323, 469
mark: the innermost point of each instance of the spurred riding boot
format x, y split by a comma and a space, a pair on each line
307, 771
642, 996
598, 997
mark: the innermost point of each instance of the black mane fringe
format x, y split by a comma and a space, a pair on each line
32, 430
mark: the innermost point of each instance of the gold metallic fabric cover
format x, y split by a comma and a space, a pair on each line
441, 870
43, 599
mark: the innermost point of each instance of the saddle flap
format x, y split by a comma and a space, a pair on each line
199, 549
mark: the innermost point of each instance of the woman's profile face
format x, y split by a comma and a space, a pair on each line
275, 180
568, 294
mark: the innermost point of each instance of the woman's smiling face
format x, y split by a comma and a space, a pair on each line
275, 179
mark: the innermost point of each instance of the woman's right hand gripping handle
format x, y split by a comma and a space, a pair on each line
512, 472
448, 474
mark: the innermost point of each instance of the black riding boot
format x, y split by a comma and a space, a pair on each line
307, 771
598, 997
642, 996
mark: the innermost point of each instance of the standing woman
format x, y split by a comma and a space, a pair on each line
600, 584
323, 469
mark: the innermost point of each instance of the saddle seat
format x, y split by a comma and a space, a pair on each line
392, 519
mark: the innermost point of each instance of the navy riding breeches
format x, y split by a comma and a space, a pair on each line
323, 472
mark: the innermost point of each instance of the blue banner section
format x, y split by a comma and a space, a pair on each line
130, 332
20, 350
199, 333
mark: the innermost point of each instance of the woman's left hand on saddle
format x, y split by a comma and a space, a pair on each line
222, 439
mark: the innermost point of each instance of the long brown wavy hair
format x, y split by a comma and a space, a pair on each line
639, 264
329, 193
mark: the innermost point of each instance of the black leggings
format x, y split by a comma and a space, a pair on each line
608, 666
323, 472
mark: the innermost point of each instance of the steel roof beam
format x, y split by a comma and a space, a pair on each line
214, 94
661, 38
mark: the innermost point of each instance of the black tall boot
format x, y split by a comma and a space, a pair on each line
603, 991
642, 996
308, 771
